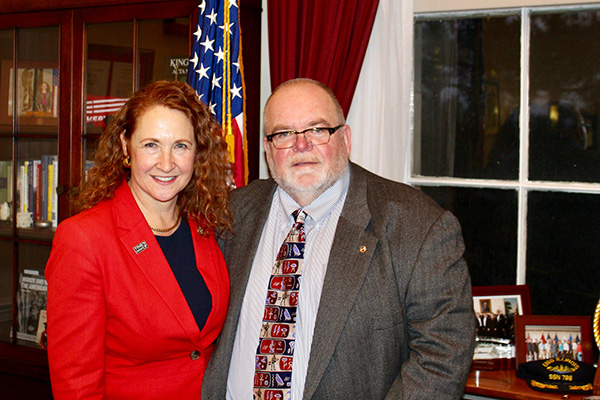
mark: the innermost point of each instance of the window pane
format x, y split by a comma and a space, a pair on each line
489, 222
109, 71
564, 136
563, 252
6, 242
37, 80
6, 290
36, 168
466, 87
6, 185
6, 97
90, 144
36, 202
164, 50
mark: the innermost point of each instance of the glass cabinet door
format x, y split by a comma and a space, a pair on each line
108, 78
36, 130
108, 72
164, 50
29, 115
122, 57
6, 239
6, 141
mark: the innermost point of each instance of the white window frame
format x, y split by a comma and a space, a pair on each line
523, 186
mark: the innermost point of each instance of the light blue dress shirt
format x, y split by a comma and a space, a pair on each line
320, 225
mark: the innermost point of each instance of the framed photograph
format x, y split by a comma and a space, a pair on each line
37, 90
495, 309
540, 337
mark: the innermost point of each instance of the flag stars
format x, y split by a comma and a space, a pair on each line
198, 33
209, 55
220, 54
202, 71
213, 17
235, 91
230, 26
194, 60
215, 82
208, 44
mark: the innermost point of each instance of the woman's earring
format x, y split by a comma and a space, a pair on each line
127, 162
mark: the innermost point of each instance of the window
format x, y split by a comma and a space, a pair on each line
506, 135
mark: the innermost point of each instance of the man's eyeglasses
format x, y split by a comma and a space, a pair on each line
313, 137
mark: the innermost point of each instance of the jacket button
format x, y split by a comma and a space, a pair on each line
195, 355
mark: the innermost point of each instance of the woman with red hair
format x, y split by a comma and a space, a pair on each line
137, 286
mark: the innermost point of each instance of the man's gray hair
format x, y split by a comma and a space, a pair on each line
300, 81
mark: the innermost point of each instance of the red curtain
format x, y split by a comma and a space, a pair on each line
325, 40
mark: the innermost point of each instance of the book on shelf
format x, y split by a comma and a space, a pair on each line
30, 189
31, 299
6, 192
44, 189
53, 211
37, 199
6, 181
37, 183
22, 181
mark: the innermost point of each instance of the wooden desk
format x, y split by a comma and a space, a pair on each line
505, 385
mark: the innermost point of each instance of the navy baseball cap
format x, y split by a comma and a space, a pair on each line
561, 375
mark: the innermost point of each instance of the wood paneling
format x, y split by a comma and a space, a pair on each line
13, 6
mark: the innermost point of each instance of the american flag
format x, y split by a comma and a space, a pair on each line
99, 107
55, 82
216, 72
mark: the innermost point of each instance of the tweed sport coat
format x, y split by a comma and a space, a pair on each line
395, 321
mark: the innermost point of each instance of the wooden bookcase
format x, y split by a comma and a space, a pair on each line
74, 46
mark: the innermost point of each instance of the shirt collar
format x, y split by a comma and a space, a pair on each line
322, 205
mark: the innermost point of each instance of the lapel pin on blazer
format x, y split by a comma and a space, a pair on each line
138, 248
363, 249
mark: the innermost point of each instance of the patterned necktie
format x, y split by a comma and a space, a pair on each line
274, 355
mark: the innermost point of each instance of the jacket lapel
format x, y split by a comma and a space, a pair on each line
139, 242
351, 253
239, 254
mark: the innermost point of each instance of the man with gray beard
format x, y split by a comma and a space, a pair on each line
376, 303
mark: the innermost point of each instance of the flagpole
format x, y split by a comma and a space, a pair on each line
226, 117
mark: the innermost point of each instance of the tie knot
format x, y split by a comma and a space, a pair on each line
299, 216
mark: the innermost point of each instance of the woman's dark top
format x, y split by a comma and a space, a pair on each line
179, 252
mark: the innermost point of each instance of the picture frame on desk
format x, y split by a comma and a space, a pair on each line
495, 308
37, 94
555, 332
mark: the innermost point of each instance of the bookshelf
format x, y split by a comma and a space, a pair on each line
57, 59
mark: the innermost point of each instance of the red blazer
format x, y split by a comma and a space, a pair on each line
118, 324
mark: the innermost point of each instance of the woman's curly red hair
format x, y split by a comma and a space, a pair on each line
205, 197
